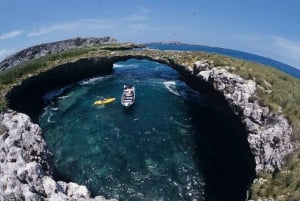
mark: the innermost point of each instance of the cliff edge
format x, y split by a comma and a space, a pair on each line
38, 51
24, 158
269, 135
24, 163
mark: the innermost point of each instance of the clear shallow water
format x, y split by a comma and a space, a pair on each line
173, 144
144, 153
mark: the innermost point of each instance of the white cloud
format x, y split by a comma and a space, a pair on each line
290, 50
140, 15
11, 34
74, 25
276, 47
5, 52
288, 45
96, 24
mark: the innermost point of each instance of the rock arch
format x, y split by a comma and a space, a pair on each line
30, 92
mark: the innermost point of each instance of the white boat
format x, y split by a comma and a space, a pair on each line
128, 96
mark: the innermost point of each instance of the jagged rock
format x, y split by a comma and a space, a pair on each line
25, 171
202, 65
269, 135
76, 191
38, 51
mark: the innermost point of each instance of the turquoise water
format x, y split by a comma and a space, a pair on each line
143, 153
175, 143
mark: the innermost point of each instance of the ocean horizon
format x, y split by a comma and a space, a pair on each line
291, 70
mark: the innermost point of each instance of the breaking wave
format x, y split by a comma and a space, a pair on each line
171, 86
93, 80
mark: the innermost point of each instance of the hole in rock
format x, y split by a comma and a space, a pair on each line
174, 143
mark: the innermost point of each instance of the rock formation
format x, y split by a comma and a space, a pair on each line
269, 135
24, 159
25, 171
37, 51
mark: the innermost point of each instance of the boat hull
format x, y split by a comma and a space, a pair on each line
128, 97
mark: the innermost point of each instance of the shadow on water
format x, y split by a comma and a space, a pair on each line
230, 166
220, 139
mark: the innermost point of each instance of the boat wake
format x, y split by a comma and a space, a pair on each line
118, 65
171, 86
92, 80
55, 93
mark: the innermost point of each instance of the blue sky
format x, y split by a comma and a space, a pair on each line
269, 28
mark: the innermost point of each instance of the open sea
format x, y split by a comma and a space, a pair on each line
228, 52
175, 143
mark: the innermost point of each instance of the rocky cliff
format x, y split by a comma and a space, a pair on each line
269, 135
24, 160
24, 165
37, 51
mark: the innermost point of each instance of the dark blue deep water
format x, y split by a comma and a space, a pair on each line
175, 143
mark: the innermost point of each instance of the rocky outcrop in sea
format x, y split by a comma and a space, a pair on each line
25, 170
38, 51
269, 135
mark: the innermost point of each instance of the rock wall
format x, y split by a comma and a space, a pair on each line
25, 165
30, 91
24, 160
37, 51
269, 135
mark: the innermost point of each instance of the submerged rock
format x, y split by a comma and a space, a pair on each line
26, 173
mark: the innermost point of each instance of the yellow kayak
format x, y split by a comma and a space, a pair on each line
104, 101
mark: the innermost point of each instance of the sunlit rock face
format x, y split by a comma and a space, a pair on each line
25, 159
269, 135
38, 51
25, 164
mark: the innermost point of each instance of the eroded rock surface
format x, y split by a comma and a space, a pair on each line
269, 135
25, 171
38, 51
24, 159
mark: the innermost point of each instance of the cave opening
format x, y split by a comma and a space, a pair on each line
229, 165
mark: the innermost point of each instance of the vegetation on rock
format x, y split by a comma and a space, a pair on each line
279, 91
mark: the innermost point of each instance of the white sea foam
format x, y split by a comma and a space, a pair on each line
118, 65
54, 93
125, 65
48, 111
92, 80
63, 97
171, 86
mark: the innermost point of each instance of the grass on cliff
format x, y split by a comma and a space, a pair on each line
13, 75
276, 89
281, 185
281, 92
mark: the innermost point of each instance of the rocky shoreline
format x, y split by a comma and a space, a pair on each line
26, 173
25, 162
269, 135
